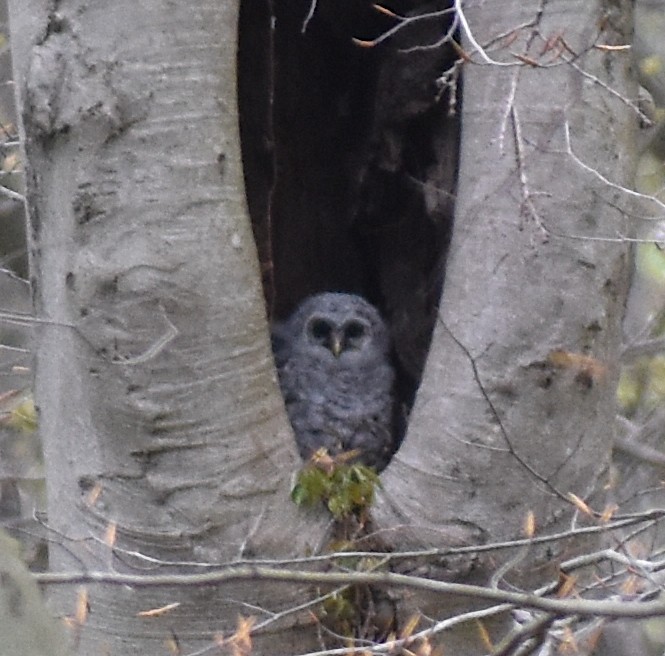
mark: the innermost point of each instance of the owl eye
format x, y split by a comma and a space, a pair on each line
354, 330
320, 330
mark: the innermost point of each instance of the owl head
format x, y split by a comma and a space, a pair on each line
338, 327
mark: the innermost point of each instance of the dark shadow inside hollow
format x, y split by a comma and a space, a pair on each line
350, 158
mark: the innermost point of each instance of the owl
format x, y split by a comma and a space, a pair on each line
333, 361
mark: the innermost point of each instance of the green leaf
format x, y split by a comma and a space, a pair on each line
347, 490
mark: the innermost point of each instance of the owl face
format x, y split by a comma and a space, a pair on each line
324, 332
341, 328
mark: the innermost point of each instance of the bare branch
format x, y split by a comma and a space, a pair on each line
609, 183
581, 607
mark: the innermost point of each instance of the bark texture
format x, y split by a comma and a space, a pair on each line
516, 407
159, 409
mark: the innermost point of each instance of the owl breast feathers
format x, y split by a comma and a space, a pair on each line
333, 360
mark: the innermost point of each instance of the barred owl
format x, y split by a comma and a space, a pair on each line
333, 360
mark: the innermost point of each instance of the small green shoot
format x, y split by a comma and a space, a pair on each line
346, 489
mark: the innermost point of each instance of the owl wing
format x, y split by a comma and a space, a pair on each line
374, 440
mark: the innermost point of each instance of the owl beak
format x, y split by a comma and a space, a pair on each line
336, 344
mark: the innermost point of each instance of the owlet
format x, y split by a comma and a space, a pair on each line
333, 360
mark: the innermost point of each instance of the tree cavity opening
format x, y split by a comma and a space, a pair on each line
350, 145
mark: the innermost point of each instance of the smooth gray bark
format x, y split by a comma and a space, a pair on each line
159, 409
510, 416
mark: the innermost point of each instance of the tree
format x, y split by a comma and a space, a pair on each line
532, 288
164, 433
132, 316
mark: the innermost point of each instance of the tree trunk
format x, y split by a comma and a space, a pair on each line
516, 407
159, 410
